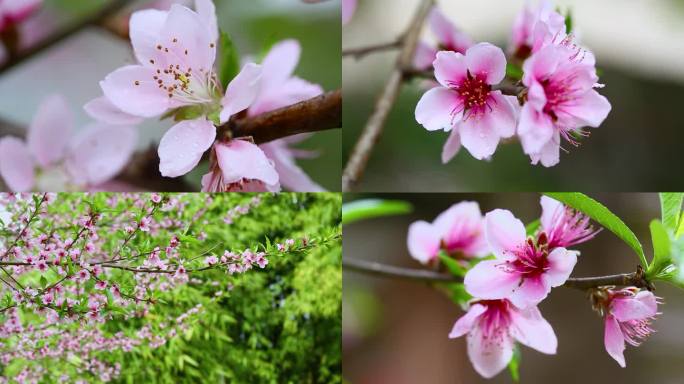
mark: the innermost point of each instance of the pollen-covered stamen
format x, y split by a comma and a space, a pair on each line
569, 227
635, 331
177, 78
474, 94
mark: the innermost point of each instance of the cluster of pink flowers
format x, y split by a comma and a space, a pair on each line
507, 288
176, 69
558, 100
241, 210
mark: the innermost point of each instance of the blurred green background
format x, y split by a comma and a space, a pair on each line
638, 49
395, 331
75, 67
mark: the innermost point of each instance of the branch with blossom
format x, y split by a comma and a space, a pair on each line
241, 116
542, 90
499, 270
72, 260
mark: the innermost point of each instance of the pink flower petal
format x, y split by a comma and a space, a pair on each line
143, 98
479, 136
291, 176
461, 221
551, 209
181, 148
450, 68
488, 356
504, 233
98, 153
488, 280
240, 159
144, 29
50, 130
101, 109
466, 323
348, 9
207, 12
614, 341
185, 30
488, 61
435, 110
535, 129
532, 330
561, 263
589, 110
425, 55
549, 155
292, 91
642, 306
541, 65
423, 241
451, 147
531, 292
16, 165
242, 91
280, 63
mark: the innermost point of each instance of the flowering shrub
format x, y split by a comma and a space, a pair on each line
518, 265
553, 94
92, 281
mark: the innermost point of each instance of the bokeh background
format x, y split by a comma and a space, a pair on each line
638, 45
75, 67
395, 331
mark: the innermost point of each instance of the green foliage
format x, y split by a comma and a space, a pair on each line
603, 216
568, 21
371, 208
229, 59
671, 208
452, 265
661, 250
532, 227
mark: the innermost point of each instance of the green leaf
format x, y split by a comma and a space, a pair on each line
43, 282
671, 208
188, 113
680, 230
568, 21
514, 364
371, 208
229, 65
514, 71
603, 216
532, 227
661, 249
452, 265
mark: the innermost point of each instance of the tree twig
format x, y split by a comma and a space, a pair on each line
360, 52
317, 114
96, 18
371, 133
635, 279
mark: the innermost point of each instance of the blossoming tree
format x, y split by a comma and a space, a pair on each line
91, 282
499, 270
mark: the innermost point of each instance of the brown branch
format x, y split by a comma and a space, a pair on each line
360, 52
635, 279
371, 133
317, 114
94, 19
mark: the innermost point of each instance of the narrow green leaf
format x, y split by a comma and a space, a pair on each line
603, 216
370, 208
43, 282
229, 65
671, 208
568, 21
680, 230
532, 227
452, 265
661, 249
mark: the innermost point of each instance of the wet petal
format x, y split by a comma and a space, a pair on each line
439, 108
133, 90
181, 148
242, 91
